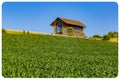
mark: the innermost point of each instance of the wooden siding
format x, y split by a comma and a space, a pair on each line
64, 29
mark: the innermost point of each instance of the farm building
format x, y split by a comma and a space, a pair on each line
60, 26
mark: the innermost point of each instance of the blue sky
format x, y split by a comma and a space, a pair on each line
99, 17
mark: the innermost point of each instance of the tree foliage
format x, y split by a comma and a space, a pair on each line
106, 37
28, 32
23, 31
113, 34
97, 36
3, 30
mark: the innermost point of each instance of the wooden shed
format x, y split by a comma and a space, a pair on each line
60, 25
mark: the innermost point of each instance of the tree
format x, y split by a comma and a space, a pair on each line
3, 30
70, 31
106, 37
97, 36
113, 34
23, 31
28, 32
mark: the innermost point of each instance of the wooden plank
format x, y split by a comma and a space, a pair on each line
54, 27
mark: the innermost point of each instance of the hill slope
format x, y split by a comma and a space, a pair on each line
57, 56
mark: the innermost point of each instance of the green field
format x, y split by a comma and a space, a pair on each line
32, 55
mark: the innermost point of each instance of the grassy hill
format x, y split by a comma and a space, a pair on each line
37, 55
21, 32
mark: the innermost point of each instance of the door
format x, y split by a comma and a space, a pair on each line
59, 27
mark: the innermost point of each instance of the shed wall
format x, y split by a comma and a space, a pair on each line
78, 32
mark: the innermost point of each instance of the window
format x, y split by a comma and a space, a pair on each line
59, 26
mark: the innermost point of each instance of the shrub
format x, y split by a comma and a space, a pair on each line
3, 30
97, 36
113, 34
70, 31
106, 37
28, 32
23, 31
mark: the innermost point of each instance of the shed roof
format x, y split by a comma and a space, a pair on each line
69, 21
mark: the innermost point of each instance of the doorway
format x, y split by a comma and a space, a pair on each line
59, 27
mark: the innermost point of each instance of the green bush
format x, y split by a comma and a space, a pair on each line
116, 34
3, 30
23, 31
97, 36
70, 31
106, 37
113, 34
28, 32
